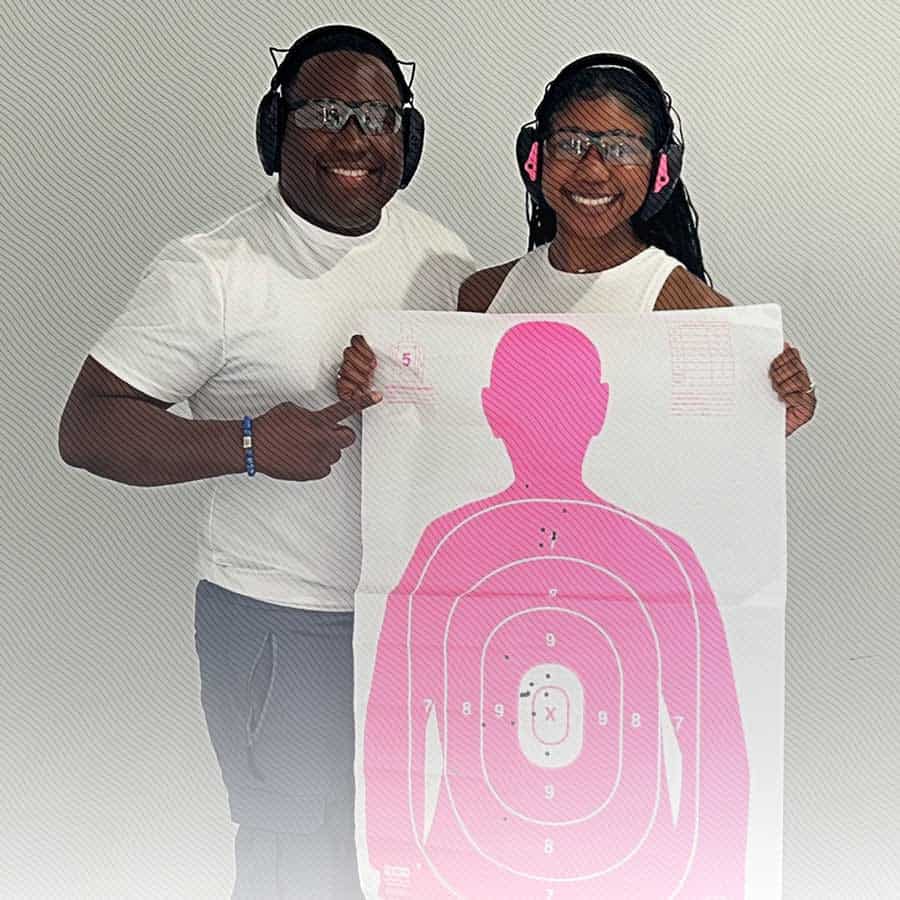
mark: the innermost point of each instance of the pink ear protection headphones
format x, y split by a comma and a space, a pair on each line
667, 159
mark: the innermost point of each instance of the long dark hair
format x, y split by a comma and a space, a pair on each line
674, 228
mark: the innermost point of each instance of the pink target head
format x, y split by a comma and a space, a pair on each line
545, 381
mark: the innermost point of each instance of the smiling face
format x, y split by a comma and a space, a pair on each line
591, 197
341, 180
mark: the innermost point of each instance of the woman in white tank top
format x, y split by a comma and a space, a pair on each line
611, 227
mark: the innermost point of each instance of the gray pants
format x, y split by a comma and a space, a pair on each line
276, 686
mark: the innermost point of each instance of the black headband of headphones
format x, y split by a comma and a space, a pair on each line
340, 37
561, 83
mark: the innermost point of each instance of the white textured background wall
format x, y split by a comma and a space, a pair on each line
127, 124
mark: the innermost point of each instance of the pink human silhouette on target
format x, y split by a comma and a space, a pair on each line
553, 712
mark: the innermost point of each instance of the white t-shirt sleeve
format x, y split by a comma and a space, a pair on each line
169, 340
460, 266
440, 275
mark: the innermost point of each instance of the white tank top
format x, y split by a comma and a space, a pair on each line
630, 288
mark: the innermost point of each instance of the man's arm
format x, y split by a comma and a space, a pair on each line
114, 430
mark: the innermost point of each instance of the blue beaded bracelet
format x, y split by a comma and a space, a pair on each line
249, 461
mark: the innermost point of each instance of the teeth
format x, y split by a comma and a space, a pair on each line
592, 201
351, 173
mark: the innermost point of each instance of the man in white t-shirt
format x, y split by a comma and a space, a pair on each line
247, 323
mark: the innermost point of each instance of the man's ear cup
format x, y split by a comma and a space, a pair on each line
413, 125
269, 128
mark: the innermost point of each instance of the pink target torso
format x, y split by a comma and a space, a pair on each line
547, 676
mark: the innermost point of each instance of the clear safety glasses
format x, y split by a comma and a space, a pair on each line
373, 116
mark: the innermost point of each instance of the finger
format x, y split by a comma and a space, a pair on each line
337, 412
356, 367
359, 343
358, 358
359, 398
352, 392
370, 398
346, 390
800, 400
347, 406
792, 384
798, 411
323, 445
790, 356
795, 417
327, 450
788, 367
786, 373
360, 374
343, 436
364, 398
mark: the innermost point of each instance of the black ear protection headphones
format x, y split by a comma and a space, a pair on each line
271, 114
667, 159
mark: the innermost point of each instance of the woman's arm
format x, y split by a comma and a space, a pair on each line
477, 292
683, 290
